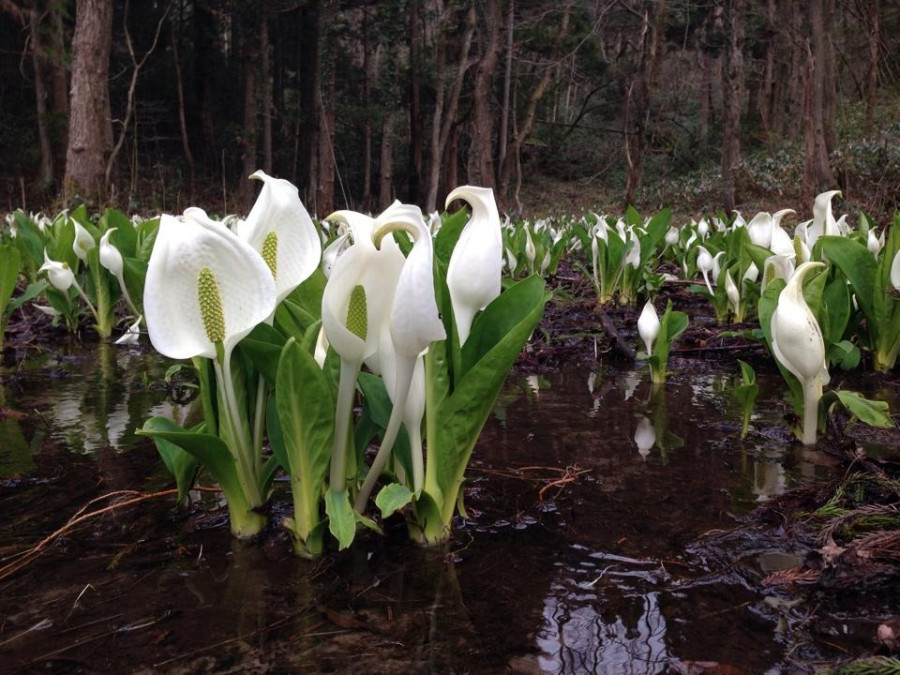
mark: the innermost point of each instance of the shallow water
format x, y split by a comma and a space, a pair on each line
591, 497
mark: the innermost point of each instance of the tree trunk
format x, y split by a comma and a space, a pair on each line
446, 109
325, 187
818, 170
182, 121
507, 83
307, 66
873, 29
638, 104
266, 89
39, 61
415, 113
250, 129
524, 129
766, 94
735, 17
829, 75
481, 159
367, 68
89, 126
385, 194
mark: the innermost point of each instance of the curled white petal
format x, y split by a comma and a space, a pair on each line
648, 326
110, 257
473, 275
171, 303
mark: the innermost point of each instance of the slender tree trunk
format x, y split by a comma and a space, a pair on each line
385, 193
250, 128
182, 121
507, 83
325, 187
873, 25
446, 109
524, 129
481, 160
415, 113
307, 66
829, 75
638, 103
734, 76
766, 95
818, 169
39, 60
89, 126
266, 90
367, 124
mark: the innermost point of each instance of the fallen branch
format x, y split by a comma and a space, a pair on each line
80, 517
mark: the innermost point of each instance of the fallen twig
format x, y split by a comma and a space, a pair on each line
81, 516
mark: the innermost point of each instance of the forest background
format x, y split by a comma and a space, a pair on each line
153, 106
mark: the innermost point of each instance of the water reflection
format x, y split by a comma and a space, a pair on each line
625, 636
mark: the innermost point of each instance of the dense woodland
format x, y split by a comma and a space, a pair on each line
155, 105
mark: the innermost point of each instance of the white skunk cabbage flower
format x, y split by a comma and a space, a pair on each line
823, 223
111, 259
633, 257
648, 326
734, 295
705, 265
414, 324
777, 267
752, 273
530, 252
738, 220
760, 229
59, 274
781, 241
281, 231
875, 243
672, 236
205, 286
798, 345
83, 243
895, 271
473, 275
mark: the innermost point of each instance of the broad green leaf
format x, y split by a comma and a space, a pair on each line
292, 319
446, 238
873, 413
499, 317
263, 347
392, 498
836, 301
375, 417
30, 292
306, 417
209, 450
341, 517
758, 255
857, 264
10, 262
180, 463
461, 416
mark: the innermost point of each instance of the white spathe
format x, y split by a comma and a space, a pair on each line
244, 283
798, 345
278, 211
648, 326
473, 275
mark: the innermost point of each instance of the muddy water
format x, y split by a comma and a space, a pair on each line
590, 498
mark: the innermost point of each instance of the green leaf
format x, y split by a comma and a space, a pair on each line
180, 463
292, 320
30, 292
306, 418
263, 347
499, 317
393, 497
836, 303
209, 450
451, 227
859, 266
341, 517
10, 263
458, 421
873, 413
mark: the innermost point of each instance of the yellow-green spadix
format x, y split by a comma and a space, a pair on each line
204, 285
